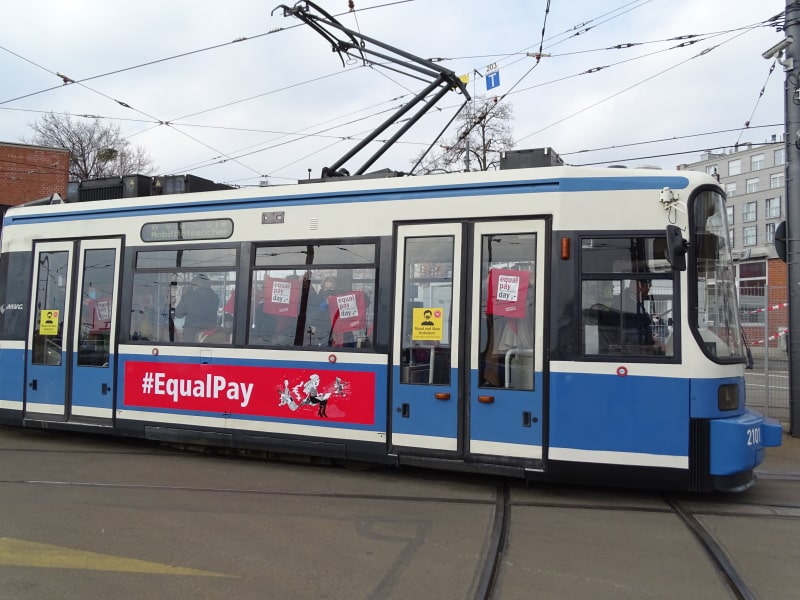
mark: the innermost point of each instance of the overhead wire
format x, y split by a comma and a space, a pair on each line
758, 100
630, 87
664, 155
580, 29
683, 44
301, 135
68, 81
662, 140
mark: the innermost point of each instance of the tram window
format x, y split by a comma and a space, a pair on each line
96, 307
14, 267
323, 304
191, 299
320, 254
624, 255
49, 305
427, 310
627, 298
192, 258
508, 267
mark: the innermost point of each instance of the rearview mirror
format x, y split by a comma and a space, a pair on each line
676, 248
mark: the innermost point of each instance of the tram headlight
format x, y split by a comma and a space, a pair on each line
728, 396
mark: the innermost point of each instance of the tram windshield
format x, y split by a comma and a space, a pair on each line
717, 313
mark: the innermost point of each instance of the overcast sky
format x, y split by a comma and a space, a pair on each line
279, 102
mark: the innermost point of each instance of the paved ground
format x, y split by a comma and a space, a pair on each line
95, 518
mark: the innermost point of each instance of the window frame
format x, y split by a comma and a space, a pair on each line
612, 278
750, 236
750, 212
771, 211
133, 297
769, 232
368, 343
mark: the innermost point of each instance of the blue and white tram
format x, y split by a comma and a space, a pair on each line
561, 323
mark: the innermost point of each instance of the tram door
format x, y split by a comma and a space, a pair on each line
467, 353
72, 334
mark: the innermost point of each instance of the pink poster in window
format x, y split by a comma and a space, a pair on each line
348, 312
508, 292
282, 297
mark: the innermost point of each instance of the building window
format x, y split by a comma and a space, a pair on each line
752, 185
730, 236
729, 210
749, 236
776, 181
711, 169
756, 162
730, 189
780, 156
749, 212
773, 208
770, 233
752, 289
734, 167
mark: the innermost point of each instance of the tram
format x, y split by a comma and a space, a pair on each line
559, 324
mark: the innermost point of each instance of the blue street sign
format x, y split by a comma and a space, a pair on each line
492, 80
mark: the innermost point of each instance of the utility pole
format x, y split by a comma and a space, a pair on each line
791, 64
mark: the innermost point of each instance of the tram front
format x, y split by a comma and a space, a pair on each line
727, 438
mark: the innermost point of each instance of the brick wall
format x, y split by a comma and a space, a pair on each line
777, 275
31, 172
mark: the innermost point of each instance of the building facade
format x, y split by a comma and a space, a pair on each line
31, 172
754, 179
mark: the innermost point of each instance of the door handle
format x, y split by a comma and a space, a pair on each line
33, 384
104, 389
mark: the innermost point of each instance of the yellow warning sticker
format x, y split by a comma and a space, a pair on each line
427, 324
48, 322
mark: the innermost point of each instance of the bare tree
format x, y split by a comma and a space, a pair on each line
483, 134
96, 149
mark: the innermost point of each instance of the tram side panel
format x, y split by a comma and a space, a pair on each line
325, 407
610, 420
327, 402
15, 284
661, 421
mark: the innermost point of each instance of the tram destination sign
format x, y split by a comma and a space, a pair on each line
171, 231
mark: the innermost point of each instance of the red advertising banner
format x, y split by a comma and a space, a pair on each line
508, 291
309, 394
348, 312
282, 297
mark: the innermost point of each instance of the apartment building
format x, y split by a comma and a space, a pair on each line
754, 179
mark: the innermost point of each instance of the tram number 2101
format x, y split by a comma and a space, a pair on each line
754, 436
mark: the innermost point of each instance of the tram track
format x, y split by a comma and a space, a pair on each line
496, 543
718, 557
489, 568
